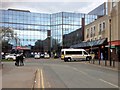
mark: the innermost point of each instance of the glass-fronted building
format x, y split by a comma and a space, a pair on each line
100, 10
30, 27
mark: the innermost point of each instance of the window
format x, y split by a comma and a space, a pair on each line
85, 53
87, 33
103, 25
100, 28
94, 31
73, 52
91, 32
62, 53
114, 3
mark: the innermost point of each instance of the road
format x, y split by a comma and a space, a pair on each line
55, 73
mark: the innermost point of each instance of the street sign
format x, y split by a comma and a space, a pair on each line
109, 46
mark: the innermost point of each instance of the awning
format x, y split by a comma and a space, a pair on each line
90, 43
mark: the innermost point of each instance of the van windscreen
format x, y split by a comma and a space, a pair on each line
62, 53
73, 52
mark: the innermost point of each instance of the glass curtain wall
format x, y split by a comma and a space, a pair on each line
28, 27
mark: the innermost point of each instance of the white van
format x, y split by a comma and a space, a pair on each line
74, 54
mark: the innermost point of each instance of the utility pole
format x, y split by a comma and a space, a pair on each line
62, 32
110, 41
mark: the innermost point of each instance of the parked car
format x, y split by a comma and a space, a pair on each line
42, 55
3, 56
47, 56
10, 56
37, 56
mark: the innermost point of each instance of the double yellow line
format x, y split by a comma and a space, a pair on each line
40, 79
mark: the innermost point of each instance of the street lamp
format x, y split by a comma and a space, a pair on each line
110, 41
15, 42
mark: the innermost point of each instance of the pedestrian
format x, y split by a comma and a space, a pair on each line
17, 60
21, 59
118, 55
101, 56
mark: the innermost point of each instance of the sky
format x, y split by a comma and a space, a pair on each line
52, 6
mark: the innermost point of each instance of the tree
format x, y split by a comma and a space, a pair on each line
6, 47
6, 34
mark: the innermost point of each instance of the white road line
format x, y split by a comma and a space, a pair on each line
108, 83
80, 71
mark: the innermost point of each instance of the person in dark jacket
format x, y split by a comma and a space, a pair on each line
17, 60
118, 55
21, 59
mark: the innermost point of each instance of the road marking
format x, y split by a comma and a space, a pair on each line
38, 78
80, 71
108, 83
42, 80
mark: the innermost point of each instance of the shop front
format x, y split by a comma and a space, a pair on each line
96, 47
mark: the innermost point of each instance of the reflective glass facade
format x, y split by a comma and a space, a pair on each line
64, 23
30, 27
100, 10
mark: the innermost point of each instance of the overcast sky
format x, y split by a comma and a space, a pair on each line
52, 6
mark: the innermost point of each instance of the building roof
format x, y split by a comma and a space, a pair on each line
90, 43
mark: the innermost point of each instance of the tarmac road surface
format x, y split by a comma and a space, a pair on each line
55, 73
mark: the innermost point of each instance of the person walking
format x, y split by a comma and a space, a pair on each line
118, 55
21, 59
17, 60
101, 56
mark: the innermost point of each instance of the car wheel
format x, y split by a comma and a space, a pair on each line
69, 59
87, 59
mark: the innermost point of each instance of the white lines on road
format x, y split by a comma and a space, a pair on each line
108, 83
80, 71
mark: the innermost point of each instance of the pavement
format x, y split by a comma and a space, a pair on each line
20, 77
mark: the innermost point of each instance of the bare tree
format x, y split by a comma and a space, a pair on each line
6, 34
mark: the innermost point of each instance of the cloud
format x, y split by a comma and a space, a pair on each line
54, 0
51, 7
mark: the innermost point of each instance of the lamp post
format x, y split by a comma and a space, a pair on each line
110, 41
15, 42
62, 33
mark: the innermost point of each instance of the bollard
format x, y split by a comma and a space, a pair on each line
2, 65
99, 61
105, 62
93, 61
113, 63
